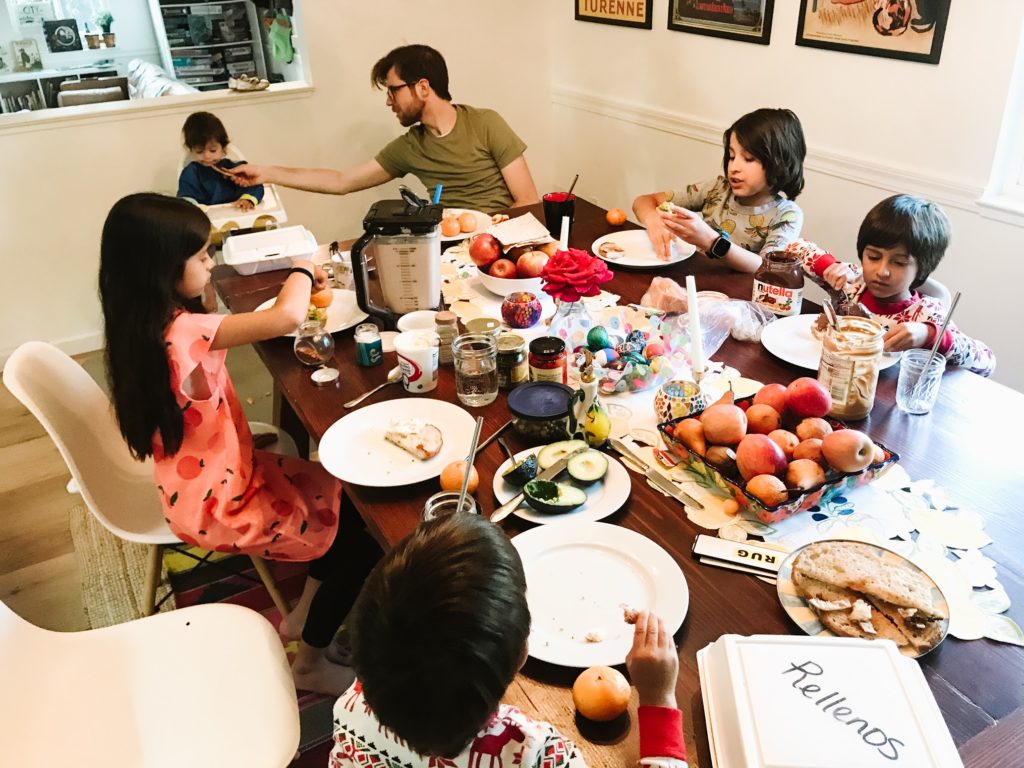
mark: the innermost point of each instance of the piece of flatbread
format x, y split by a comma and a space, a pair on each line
422, 440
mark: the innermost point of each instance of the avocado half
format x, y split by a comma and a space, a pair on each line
551, 454
588, 467
553, 498
521, 472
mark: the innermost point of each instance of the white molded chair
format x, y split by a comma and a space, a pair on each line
116, 488
935, 289
203, 685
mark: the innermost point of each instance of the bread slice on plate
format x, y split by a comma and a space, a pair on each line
415, 436
845, 612
922, 633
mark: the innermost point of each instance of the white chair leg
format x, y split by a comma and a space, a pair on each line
152, 579
271, 586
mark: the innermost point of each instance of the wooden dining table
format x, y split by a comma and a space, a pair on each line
970, 444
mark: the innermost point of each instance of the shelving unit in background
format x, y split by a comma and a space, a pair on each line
38, 90
205, 43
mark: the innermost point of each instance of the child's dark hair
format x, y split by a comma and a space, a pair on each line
919, 226
776, 139
439, 630
413, 63
202, 127
147, 238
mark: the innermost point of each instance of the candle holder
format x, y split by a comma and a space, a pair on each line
678, 399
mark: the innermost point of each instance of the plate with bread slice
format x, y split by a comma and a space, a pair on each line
855, 589
396, 442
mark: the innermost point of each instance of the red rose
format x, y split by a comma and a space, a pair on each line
572, 274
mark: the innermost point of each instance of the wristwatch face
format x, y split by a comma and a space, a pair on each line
720, 247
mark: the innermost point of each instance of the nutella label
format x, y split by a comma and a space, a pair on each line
778, 298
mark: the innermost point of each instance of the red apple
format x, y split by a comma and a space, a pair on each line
762, 419
767, 489
484, 250
807, 397
503, 269
804, 474
786, 440
810, 449
773, 395
847, 450
531, 263
759, 455
724, 424
812, 427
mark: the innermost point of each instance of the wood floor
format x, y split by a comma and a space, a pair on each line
39, 573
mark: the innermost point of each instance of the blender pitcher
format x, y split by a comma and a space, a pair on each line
406, 249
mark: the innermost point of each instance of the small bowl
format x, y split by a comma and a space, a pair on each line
503, 287
420, 320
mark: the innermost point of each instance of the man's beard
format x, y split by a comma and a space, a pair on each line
407, 119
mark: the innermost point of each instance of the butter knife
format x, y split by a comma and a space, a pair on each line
555, 469
655, 476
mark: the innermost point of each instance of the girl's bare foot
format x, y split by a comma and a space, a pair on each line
311, 671
340, 649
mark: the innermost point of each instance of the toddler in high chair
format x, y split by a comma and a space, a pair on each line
900, 243
746, 212
200, 182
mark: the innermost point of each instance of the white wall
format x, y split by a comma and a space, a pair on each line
654, 103
58, 180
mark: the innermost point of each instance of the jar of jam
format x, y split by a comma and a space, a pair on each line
779, 283
850, 357
446, 328
548, 359
513, 366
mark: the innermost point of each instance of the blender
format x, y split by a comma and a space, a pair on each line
403, 239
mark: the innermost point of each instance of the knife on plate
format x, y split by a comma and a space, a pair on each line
555, 469
655, 476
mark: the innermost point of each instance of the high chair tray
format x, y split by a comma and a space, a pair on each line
269, 250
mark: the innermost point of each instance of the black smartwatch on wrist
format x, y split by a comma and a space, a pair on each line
720, 247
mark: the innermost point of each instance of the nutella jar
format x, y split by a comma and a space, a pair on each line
850, 357
779, 283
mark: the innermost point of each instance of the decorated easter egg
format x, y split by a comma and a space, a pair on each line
597, 338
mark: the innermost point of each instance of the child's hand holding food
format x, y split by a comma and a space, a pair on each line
838, 274
688, 225
907, 336
653, 662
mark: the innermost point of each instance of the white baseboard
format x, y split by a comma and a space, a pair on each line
72, 345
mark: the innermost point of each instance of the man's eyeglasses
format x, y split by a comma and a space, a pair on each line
394, 89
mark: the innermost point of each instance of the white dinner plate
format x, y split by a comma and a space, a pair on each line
354, 450
343, 312
637, 250
603, 497
578, 575
483, 222
790, 339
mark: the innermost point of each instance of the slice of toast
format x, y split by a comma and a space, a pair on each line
422, 440
858, 567
842, 620
922, 633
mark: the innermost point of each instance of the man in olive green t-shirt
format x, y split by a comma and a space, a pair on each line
471, 152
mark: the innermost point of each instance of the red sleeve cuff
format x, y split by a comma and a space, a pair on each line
823, 262
661, 732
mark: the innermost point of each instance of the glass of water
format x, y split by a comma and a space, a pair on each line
314, 347
476, 372
917, 389
446, 503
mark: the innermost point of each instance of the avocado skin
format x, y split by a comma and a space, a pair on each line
553, 498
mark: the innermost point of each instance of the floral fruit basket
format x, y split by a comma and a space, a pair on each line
799, 501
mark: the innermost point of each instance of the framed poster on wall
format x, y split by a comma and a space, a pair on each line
911, 30
624, 13
747, 20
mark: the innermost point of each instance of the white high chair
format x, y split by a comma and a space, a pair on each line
203, 685
116, 488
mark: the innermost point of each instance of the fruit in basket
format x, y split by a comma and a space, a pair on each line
502, 269
773, 395
724, 424
759, 455
762, 419
722, 458
807, 397
600, 693
531, 264
727, 397
786, 440
804, 474
848, 450
484, 250
810, 449
690, 432
812, 427
767, 489
549, 248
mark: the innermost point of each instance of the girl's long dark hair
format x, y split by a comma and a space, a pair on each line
776, 138
147, 238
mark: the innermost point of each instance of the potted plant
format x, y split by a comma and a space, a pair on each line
103, 20
92, 39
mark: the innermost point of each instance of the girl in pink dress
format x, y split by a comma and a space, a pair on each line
175, 402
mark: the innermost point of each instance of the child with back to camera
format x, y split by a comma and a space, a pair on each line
900, 243
438, 634
174, 401
749, 210
207, 141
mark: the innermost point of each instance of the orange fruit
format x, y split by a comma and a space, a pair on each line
322, 299
616, 216
600, 693
549, 248
450, 226
467, 222
451, 477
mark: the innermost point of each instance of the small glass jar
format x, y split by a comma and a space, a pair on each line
850, 357
513, 367
548, 359
369, 350
540, 411
446, 503
521, 309
446, 325
476, 374
779, 283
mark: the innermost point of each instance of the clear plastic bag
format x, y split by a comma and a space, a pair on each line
720, 318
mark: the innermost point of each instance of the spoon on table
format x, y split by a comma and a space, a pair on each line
395, 374
507, 450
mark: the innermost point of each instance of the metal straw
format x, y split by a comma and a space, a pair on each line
572, 185
469, 462
938, 340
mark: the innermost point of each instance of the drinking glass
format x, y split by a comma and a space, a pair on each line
476, 371
314, 347
557, 205
917, 389
446, 502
